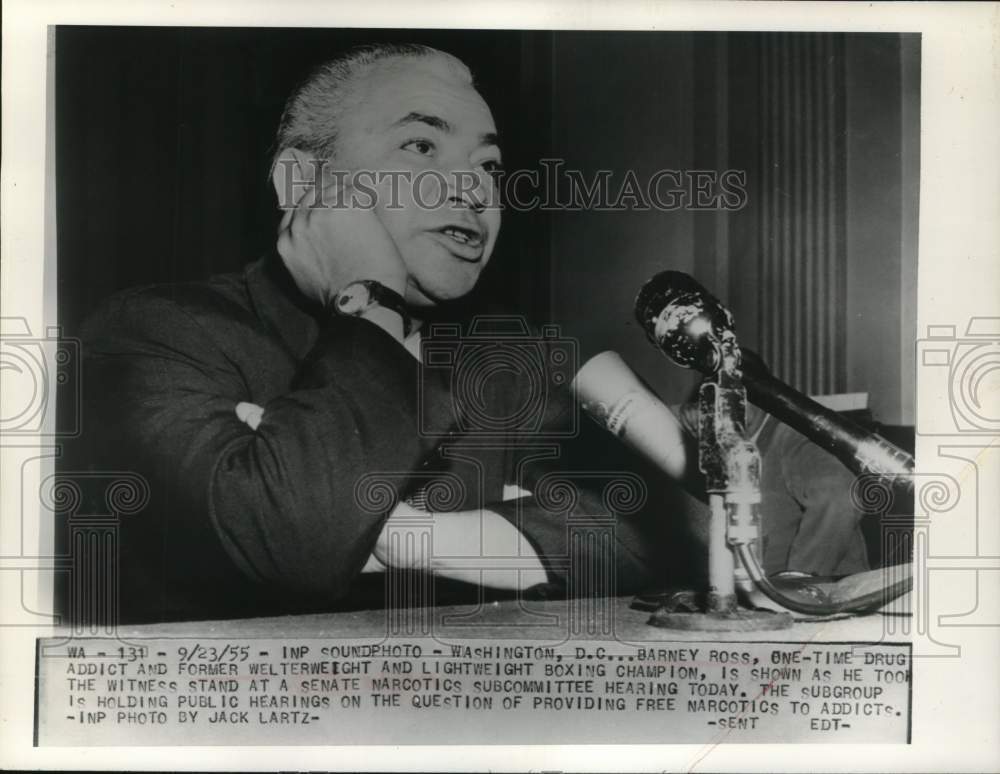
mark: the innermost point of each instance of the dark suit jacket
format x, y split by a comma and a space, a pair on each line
244, 522
248, 522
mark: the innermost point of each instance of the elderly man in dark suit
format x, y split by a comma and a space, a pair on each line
267, 408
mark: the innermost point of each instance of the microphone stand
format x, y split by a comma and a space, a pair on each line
696, 330
730, 463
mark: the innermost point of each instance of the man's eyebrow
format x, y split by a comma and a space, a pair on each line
422, 118
489, 138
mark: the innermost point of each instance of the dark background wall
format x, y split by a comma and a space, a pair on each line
163, 136
819, 267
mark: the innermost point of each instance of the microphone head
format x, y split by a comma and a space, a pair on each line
684, 320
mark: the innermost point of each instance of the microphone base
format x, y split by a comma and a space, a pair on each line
685, 610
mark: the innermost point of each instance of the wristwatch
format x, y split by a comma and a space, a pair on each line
356, 298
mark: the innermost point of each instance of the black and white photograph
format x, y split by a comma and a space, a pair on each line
218, 292
500, 385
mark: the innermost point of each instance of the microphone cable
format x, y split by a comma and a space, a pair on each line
864, 603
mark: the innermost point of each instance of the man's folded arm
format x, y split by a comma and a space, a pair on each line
282, 498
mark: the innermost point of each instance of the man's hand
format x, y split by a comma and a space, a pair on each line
333, 237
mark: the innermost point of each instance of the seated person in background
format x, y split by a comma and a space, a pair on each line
809, 522
279, 414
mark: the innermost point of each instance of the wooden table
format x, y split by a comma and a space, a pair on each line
558, 620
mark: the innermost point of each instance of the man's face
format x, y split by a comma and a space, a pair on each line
416, 119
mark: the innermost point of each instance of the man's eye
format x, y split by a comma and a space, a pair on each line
423, 147
492, 168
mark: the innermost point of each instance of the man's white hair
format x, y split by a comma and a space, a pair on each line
313, 111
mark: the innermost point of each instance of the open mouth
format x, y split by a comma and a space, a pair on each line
466, 237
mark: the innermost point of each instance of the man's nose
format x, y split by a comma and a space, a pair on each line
467, 189
467, 202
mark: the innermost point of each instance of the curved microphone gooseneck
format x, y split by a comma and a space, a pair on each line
689, 325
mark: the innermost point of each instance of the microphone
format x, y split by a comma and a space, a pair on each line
612, 394
691, 327
684, 320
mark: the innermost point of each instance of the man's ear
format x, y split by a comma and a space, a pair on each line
293, 176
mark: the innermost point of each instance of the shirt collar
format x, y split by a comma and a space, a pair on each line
295, 319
